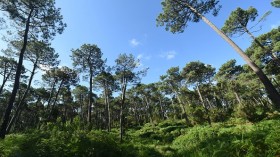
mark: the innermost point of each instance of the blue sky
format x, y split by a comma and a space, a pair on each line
129, 26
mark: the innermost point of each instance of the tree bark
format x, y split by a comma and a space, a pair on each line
124, 83
161, 109
204, 106
273, 95
5, 78
184, 113
21, 103
17, 79
90, 98
55, 100
81, 107
237, 98
108, 108
51, 94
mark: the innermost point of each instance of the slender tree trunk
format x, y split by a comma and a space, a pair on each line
108, 108
21, 103
185, 115
90, 98
237, 98
271, 91
55, 100
57, 93
65, 110
205, 107
136, 117
3, 84
174, 110
81, 106
276, 82
161, 109
5, 79
51, 94
122, 108
17, 79
148, 109
105, 110
39, 117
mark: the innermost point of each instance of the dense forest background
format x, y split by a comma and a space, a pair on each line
196, 110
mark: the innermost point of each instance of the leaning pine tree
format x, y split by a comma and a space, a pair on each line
176, 15
32, 18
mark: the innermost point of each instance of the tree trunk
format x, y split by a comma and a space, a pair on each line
17, 79
121, 109
184, 113
21, 103
51, 94
108, 109
148, 109
55, 100
5, 78
204, 106
161, 109
237, 98
90, 99
271, 91
81, 106
274, 57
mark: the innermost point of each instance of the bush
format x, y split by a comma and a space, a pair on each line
236, 137
252, 111
229, 140
57, 139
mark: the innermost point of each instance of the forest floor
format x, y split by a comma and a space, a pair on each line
235, 137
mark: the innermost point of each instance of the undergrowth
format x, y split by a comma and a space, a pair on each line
235, 137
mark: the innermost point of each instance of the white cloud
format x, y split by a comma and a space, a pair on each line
143, 57
44, 68
140, 56
275, 25
168, 55
148, 57
133, 42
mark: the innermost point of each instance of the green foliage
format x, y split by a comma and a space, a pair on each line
267, 55
198, 114
252, 111
236, 137
43, 18
230, 139
58, 139
177, 14
198, 72
276, 3
238, 21
88, 59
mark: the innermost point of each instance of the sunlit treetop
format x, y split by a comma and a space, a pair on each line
276, 3
239, 19
43, 18
177, 13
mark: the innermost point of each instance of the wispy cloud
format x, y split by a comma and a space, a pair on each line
168, 55
44, 68
142, 56
275, 25
134, 42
